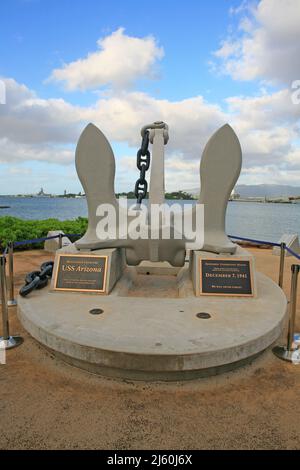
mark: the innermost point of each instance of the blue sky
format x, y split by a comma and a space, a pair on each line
197, 64
38, 35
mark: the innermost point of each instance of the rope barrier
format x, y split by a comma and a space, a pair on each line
38, 240
253, 240
72, 235
43, 239
293, 253
34, 240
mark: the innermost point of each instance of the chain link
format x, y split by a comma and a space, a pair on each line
142, 163
143, 158
37, 279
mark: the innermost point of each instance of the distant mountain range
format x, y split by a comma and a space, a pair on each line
260, 190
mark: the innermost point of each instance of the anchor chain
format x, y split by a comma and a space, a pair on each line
37, 279
142, 163
143, 158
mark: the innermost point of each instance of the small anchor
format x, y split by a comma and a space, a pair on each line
219, 170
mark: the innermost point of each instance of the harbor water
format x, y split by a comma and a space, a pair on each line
266, 221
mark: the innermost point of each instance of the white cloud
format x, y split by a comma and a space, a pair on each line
266, 45
270, 174
267, 126
16, 152
32, 129
120, 61
293, 159
227, 49
191, 120
180, 173
26, 118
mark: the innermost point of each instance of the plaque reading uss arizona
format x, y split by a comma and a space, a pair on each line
226, 277
84, 273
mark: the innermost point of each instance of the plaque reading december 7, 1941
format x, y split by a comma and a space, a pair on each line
226, 277
84, 273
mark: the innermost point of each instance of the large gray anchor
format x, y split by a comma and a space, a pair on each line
219, 170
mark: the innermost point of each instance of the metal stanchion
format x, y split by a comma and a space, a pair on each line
6, 341
291, 352
281, 265
11, 299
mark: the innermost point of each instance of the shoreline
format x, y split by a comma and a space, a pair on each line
253, 199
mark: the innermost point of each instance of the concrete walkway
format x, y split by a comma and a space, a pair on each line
45, 404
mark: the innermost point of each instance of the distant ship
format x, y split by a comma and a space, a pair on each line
41, 193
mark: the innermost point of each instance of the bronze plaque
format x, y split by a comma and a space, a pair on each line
226, 277
84, 273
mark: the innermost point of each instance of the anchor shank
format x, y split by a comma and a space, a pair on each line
157, 177
157, 183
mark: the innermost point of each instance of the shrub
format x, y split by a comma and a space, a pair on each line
14, 229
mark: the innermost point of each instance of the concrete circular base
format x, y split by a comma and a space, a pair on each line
155, 338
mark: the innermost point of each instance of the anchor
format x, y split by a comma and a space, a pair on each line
95, 165
147, 319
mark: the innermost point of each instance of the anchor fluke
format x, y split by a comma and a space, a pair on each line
220, 168
95, 166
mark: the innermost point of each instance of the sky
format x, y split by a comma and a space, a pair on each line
121, 64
